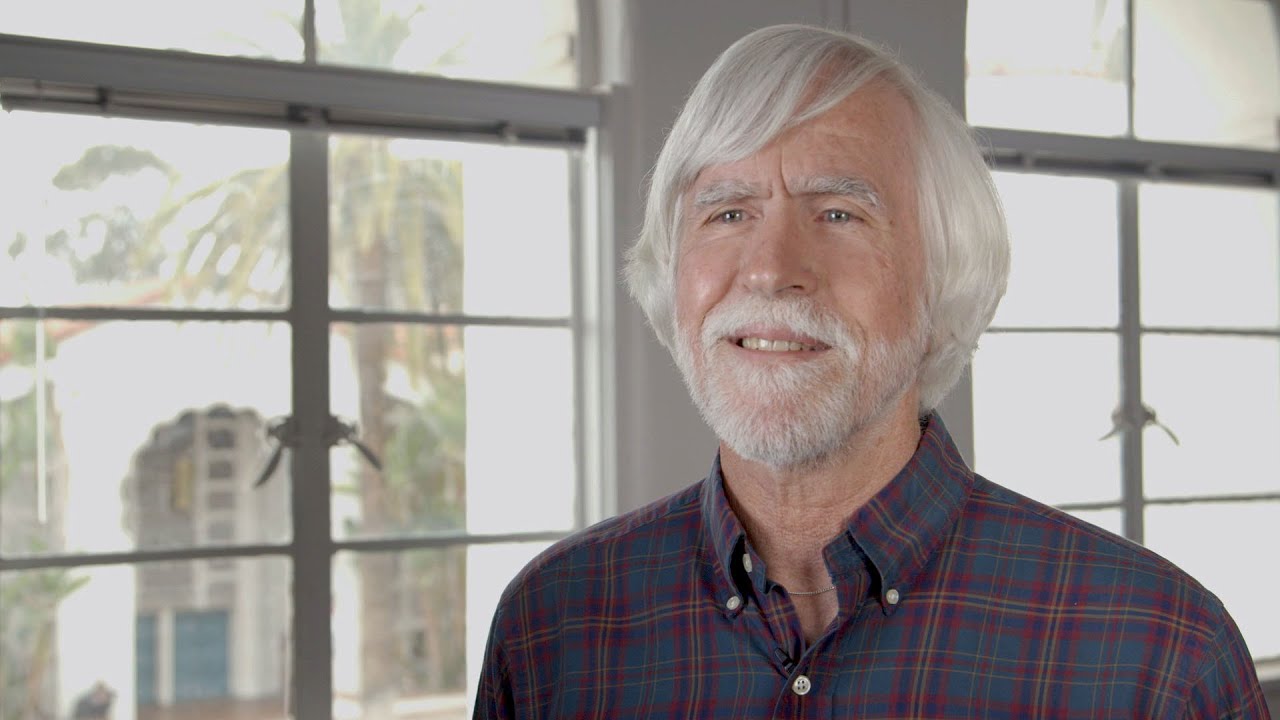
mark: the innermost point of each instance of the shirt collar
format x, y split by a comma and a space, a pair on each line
898, 530
722, 526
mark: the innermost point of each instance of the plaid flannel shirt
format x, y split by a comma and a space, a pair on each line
957, 598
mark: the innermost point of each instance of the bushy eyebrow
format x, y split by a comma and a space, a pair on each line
846, 186
842, 185
724, 191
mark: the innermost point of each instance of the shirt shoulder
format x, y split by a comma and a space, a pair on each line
1010, 525
1098, 591
664, 530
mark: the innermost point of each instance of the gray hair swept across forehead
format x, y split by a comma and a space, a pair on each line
778, 77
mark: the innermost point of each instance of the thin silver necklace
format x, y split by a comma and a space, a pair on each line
811, 592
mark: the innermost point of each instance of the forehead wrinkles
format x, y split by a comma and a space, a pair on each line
732, 189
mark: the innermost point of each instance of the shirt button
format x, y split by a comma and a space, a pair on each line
891, 596
734, 603
746, 562
801, 686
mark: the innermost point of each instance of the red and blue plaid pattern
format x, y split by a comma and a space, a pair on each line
958, 598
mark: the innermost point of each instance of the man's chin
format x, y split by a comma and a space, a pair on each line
780, 456
780, 440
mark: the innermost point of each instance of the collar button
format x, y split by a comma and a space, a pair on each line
801, 686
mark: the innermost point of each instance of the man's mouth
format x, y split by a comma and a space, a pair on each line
766, 345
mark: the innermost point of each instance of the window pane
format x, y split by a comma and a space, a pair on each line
409, 628
1220, 545
455, 414
517, 41
1221, 397
124, 435
111, 211
1064, 251
164, 639
1055, 66
439, 227
1206, 72
249, 28
1040, 403
1209, 256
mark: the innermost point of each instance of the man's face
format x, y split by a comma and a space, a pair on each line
799, 305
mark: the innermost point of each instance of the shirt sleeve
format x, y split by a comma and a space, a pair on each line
494, 699
1227, 686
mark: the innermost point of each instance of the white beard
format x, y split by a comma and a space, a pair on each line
794, 415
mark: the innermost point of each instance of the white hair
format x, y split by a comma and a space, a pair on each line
778, 77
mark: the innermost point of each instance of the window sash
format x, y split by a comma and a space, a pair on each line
314, 101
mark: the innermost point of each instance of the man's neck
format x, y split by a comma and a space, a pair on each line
790, 515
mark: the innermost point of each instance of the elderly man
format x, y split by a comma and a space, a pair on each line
822, 248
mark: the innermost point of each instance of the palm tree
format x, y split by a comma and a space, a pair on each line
396, 225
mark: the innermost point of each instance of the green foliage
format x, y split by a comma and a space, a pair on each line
17, 416
396, 233
372, 34
247, 211
102, 162
28, 606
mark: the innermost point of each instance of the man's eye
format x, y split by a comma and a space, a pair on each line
730, 216
837, 216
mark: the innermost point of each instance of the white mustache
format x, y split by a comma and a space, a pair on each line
798, 315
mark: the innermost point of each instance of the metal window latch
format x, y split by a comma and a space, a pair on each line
1121, 423
336, 432
285, 434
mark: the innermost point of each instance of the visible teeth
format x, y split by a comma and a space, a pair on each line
752, 343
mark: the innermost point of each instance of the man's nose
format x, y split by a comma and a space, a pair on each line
780, 259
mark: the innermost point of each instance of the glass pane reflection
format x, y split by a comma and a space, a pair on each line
246, 28
198, 638
1055, 66
1064, 263
135, 213
1209, 256
456, 414
127, 435
1053, 456
1221, 398
1206, 72
533, 43
409, 628
448, 228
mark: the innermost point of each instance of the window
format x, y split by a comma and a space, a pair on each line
535, 44
298, 349
1141, 330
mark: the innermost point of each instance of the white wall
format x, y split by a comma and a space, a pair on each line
665, 45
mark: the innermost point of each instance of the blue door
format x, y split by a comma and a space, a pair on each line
200, 663
144, 636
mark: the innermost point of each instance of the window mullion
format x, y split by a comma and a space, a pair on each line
310, 41
577, 300
1131, 414
312, 547
1128, 64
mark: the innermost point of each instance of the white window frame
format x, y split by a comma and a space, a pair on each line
311, 100
1129, 161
